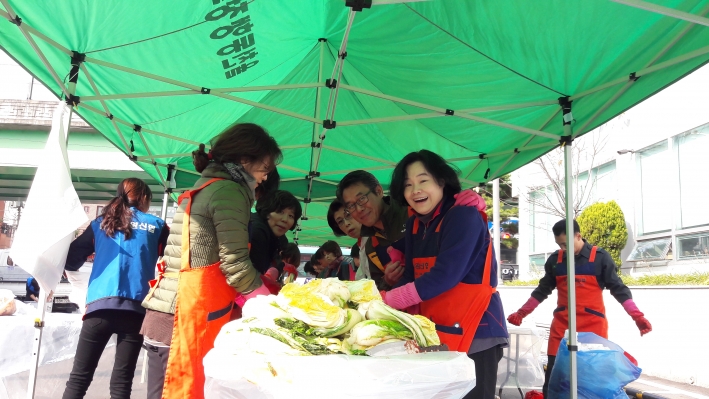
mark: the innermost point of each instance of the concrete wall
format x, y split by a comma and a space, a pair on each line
678, 347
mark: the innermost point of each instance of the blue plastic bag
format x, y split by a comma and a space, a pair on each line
602, 374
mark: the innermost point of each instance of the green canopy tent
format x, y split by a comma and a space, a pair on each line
488, 85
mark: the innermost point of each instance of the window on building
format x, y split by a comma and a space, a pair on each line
99, 211
541, 220
86, 209
536, 264
693, 166
654, 216
650, 250
693, 246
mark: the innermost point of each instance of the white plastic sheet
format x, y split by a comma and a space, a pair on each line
521, 364
422, 376
52, 211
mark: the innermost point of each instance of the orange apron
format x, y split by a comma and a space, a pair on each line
458, 311
590, 310
204, 303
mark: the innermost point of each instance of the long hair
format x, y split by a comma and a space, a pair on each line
239, 143
117, 215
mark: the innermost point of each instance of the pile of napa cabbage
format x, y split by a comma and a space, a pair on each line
324, 316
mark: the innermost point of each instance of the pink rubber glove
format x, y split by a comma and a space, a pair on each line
395, 255
470, 198
638, 317
241, 298
272, 273
403, 297
516, 317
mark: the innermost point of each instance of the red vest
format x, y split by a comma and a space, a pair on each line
458, 311
590, 310
203, 306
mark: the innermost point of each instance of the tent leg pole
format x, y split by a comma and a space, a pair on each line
570, 255
38, 329
163, 211
496, 223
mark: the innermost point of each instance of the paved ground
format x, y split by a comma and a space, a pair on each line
52, 379
658, 387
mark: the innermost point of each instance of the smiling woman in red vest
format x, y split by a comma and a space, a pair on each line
450, 271
595, 271
206, 260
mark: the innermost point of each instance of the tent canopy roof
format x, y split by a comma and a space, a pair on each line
476, 81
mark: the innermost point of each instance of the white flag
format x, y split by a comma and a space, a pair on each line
52, 212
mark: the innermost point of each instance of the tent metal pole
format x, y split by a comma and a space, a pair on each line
345, 171
168, 190
355, 154
170, 93
474, 168
508, 107
508, 126
645, 71
496, 224
268, 108
14, 18
570, 252
181, 154
304, 172
141, 73
439, 115
105, 108
495, 154
666, 11
391, 119
317, 142
632, 78
128, 124
164, 165
157, 169
524, 147
39, 34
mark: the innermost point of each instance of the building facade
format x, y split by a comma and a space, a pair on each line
652, 161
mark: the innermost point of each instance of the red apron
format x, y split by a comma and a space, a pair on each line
458, 311
204, 303
590, 310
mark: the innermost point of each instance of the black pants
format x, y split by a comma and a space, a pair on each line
157, 364
547, 375
485, 373
97, 329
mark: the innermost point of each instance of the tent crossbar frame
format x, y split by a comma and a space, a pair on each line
358, 155
633, 78
123, 122
277, 110
107, 111
447, 112
334, 86
170, 93
165, 183
164, 165
524, 146
666, 11
345, 171
12, 17
153, 157
644, 71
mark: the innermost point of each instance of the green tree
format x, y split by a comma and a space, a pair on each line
603, 224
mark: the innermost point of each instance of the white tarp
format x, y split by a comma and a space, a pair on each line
52, 213
421, 376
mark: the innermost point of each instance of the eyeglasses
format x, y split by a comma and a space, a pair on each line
363, 199
347, 216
